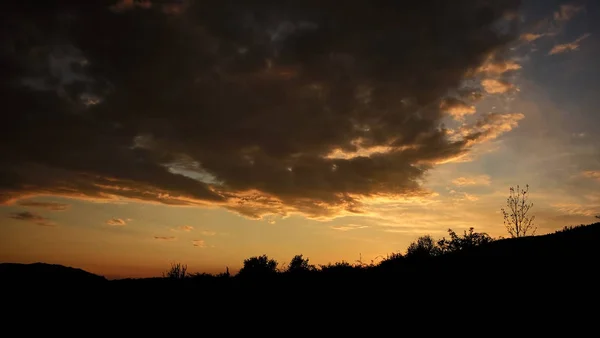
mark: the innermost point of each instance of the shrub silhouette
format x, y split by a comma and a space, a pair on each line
177, 271
338, 267
259, 266
467, 241
392, 261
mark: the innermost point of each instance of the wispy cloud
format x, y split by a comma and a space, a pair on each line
348, 227
208, 233
593, 174
186, 228
116, 222
462, 196
165, 238
491, 126
567, 12
473, 180
568, 47
577, 209
31, 217
530, 37
199, 243
52, 206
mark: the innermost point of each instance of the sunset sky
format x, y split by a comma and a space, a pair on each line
137, 134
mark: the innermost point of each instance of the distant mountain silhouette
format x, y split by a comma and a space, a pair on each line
43, 273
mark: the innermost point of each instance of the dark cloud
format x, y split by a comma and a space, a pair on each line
53, 206
165, 238
237, 103
31, 217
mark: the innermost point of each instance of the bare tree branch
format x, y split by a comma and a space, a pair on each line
516, 220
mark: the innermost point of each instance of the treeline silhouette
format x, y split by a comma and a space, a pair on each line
456, 258
461, 272
469, 255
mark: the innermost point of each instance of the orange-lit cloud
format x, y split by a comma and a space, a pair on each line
494, 86
593, 174
529, 37
186, 228
52, 206
116, 222
490, 126
199, 243
499, 67
568, 47
348, 227
457, 108
471, 197
31, 217
473, 180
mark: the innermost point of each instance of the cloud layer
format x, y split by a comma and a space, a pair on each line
52, 206
31, 217
238, 105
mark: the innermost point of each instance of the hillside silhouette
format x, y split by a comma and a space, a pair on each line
42, 273
469, 276
556, 260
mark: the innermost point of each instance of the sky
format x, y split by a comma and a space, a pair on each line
136, 134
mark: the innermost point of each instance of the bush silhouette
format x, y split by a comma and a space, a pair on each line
392, 261
338, 267
259, 266
468, 240
423, 247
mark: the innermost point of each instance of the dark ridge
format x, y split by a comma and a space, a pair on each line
44, 274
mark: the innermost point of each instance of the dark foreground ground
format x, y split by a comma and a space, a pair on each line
508, 282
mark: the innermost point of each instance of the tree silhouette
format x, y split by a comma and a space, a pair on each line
259, 266
516, 220
423, 247
299, 264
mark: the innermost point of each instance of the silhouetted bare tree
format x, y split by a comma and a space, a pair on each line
516, 220
177, 271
